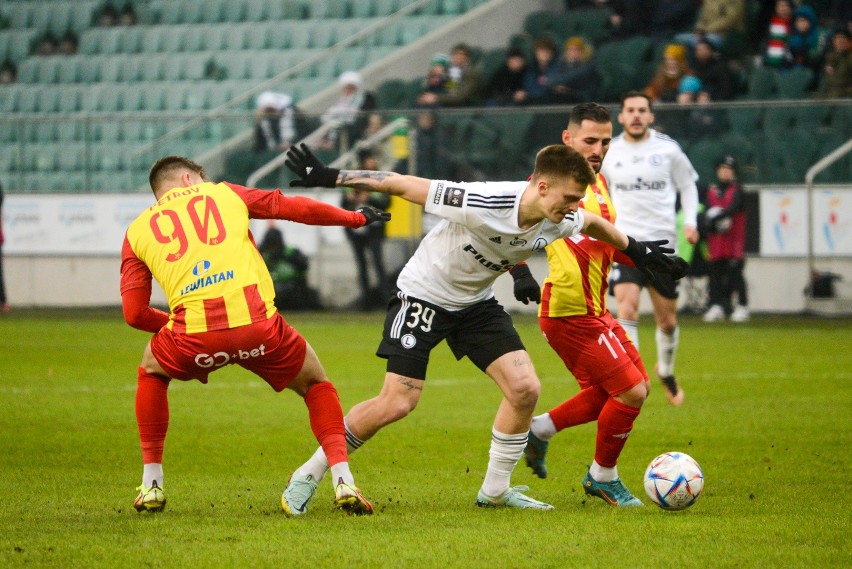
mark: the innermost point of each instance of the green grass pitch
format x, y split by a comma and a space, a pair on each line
767, 415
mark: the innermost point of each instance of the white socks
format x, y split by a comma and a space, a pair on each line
632, 329
666, 350
151, 472
317, 465
506, 451
602, 473
340, 473
543, 427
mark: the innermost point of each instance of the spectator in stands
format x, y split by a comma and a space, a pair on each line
68, 44
716, 77
368, 243
700, 120
808, 41
716, 19
539, 77
507, 84
836, 80
628, 18
274, 128
431, 146
8, 72
437, 78
665, 84
46, 44
576, 78
288, 267
4, 305
668, 17
127, 16
107, 15
350, 112
777, 53
464, 82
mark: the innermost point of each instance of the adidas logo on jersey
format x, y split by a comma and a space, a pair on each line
496, 240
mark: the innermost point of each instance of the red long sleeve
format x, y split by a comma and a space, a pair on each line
263, 204
136, 293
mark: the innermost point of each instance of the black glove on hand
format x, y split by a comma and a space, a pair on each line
680, 268
650, 256
373, 214
312, 173
526, 287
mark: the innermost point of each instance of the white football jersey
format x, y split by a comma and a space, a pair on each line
644, 180
476, 241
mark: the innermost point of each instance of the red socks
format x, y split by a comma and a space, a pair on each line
326, 418
582, 408
614, 426
152, 415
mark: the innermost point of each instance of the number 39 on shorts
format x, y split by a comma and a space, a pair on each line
418, 314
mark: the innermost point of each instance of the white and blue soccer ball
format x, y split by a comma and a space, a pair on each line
674, 481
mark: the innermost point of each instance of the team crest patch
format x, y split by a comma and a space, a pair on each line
408, 341
655, 160
454, 197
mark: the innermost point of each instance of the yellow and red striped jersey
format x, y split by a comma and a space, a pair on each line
197, 245
579, 266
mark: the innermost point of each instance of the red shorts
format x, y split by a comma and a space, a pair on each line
597, 350
272, 349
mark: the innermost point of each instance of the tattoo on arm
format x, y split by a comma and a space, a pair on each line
409, 383
366, 179
519, 362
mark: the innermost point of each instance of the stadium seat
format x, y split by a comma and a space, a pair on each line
387, 7
762, 83
794, 83
323, 9
363, 8
69, 70
745, 120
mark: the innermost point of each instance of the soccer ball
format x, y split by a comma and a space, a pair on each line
674, 481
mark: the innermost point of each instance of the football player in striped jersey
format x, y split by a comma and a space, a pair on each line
576, 323
195, 241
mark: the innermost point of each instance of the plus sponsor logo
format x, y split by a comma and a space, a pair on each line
498, 267
640, 185
219, 359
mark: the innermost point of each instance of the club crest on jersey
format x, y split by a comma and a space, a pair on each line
454, 197
201, 267
655, 160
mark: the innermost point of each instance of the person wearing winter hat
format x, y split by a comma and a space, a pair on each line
724, 223
665, 84
350, 112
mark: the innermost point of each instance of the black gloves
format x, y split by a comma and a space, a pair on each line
650, 256
373, 214
312, 173
526, 287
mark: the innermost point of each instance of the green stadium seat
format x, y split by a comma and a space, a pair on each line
47, 99
762, 83
259, 38
233, 12
69, 70
69, 131
841, 171
40, 131
746, 120
363, 8
794, 83
111, 68
70, 98
133, 99
387, 7
323, 9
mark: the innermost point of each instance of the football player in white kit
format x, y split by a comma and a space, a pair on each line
444, 293
647, 170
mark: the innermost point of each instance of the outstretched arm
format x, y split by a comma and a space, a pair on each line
313, 173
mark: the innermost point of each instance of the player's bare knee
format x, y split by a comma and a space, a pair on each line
524, 392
